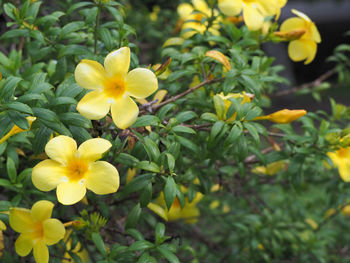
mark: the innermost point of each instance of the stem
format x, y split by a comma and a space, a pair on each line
97, 24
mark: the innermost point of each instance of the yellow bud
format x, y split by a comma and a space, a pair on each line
346, 210
283, 116
290, 35
215, 204
130, 174
311, 223
330, 212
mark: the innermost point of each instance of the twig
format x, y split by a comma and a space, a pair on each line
313, 83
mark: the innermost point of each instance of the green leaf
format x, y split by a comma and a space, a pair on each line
18, 119
164, 110
71, 27
133, 217
188, 144
137, 183
73, 50
146, 195
208, 116
160, 231
146, 120
253, 132
11, 170
168, 254
234, 134
181, 128
7, 91
18, 106
127, 159
73, 118
219, 106
140, 245
170, 189
171, 161
216, 129
100, 245
78, 5
106, 38
146, 258
148, 166
152, 149
17, 33
62, 101
185, 116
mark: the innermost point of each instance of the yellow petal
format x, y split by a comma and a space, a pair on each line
23, 245
344, 170
269, 7
252, 17
141, 82
102, 178
130, 174
47, 174
159, 96
201, 5
292, 23
297, 50
184, 10
158, 210
124, 112
315, 35
218, 56
69, 193
190, 214
53, 231
94, 105
21, 219
2, 226
42, 210
90, 74
117, 62
230, 7
61, 149
41, 252
301, 15
93, 149
312, 49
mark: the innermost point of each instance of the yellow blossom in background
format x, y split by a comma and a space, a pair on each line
270, 169
192, 19
15, 129
74, 170
346, 210
305, 47
37, 230
341, 159
330, 212
81, 253
283, 116
311, 223
189, 213
154, 14
254, 11
2, 245
112, 86
221, 111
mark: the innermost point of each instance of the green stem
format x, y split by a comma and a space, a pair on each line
97, 24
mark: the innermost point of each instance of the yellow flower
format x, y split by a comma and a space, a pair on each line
311, 223
305, 47
37, 230
112, 86
15, 129
283, 116
341, 159
74, 170
270, 169
221, 112
254, 11
193, 19
346, 210
154, 15
81, 253
189, 213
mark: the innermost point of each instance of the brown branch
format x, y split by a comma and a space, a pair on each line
311, 84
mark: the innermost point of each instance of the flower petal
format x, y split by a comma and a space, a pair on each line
21, 219
53, 231
252, 17
315, 35
124, 112
301, 15
93, 149
94, 105
230, 8
42, 210
297, 50
41, 252
141, 82
90, 74
117, 62
47, 174
158, 210
184, 10
202, 6
23, 245
190, 214
69, 193
61, 148
292, 24
102, 178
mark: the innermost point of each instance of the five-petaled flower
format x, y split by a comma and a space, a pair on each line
189, 213
37, 230
305, 47
74, 170
254, 11
112, 86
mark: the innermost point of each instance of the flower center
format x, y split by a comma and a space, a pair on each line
114, 87
76, 169
342, 152
38, 231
